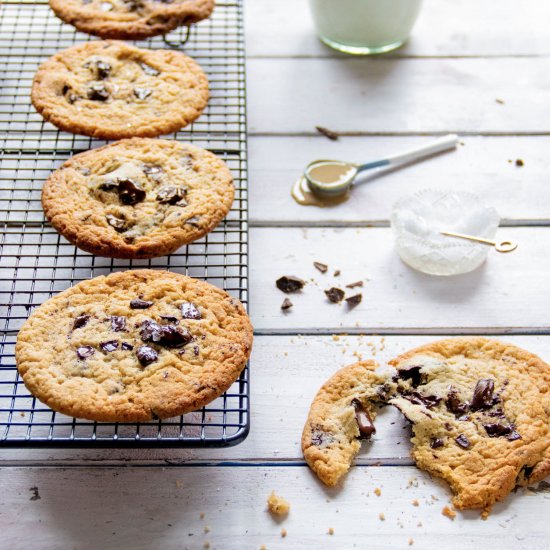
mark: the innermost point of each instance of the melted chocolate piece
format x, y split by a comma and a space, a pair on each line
429, 401
355, 300
171, 195
146, 355
81, 321
364, 421
118, 224
126, 346
85, 351
190, 311
454, 404
130, 192
148, 70
103, 69
111, 345
142, 93
483, 394
411, 373
118, 323
463, 441
501, 430
335, 295
165, 335
323, 268
98, 92
436, 442
288, 284
140, 304
286, 305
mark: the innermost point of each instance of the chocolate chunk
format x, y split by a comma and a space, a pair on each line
330, 134
148, 70
70, 96
190, 311
118, 323
165, 335
194, 221
355, 300
142, 93
335, 295
117, 223
130, 192
81, 321
337, 273
513, 436
111, 345
170, 319
463, 441
436, 442
323, 268
288, 284
126, 346
520, 162
483, 394
171, 195
146, 355
354, 285
498, 430
411, 373
429, 401
454, 404
287, 304
363, 419
140, 304
103, 69
85, 351
448, 427
98, 92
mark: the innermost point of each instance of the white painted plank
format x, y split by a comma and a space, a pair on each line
386, 95
506, 292
88, 508
445, 28
286, 372
481, 166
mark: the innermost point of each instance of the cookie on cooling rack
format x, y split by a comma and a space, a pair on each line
138, 198
111, 90
480, 411
131, 19
340, 416
134, 346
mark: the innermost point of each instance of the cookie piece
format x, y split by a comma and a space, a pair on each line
130, 19
111, 90
138, 198
480, 413
340, 416
134, 346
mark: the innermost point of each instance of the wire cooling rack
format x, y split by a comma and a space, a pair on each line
36, 263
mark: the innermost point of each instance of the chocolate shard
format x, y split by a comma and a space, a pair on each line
429, 401
463, 441
118, 323
126, 346
499, 430
354, 300
146, 355
138, 303
171, 195
190, 311
287, 304
436, 442
118, 224
98, 92
84, 352
130, 192
165, 335
354, 285
483, 394
335, 295
454, 404
323, 268
103, 69
411, 373
363, 419
289, 284
81, 321
111, 345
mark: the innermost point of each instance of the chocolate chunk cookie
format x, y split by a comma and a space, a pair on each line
90, 353
138, 198
111, 90
131, 19
340, 416
480, 414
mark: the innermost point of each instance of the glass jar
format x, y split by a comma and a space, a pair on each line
364, 27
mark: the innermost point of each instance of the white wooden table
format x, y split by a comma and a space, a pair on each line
463, 56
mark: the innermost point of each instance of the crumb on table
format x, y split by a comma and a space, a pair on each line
382, 516
411, 541
449, 512
283, 533
278, 506
415, 502
330, 531
377, 492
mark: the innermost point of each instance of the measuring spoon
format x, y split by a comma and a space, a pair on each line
502, 246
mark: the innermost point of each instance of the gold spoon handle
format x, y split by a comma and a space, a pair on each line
503, 246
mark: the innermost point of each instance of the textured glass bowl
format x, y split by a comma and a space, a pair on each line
417, 221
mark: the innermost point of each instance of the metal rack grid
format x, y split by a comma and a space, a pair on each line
36, 263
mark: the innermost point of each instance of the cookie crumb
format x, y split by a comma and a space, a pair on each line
263, 547
283, 533
449, 512
419, 524
498, 100
330, 531
277, 506
415, 502
411, 541
377, 492
179, 484
207, 529
206, 545
201, 515
519, 162
382, 516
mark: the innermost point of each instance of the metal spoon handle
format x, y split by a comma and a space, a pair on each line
503, 246
443, 144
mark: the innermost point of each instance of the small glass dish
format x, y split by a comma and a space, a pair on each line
417, 222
